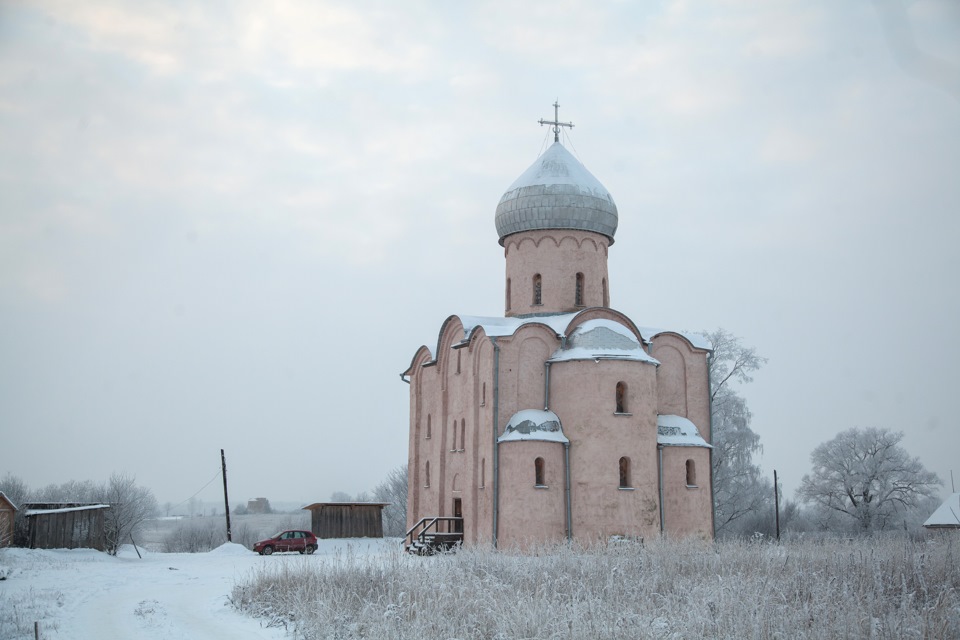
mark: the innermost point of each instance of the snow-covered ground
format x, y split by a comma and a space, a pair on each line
83, 594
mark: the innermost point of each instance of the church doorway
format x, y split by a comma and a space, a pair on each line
457, 513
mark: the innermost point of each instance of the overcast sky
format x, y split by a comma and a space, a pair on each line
231, 224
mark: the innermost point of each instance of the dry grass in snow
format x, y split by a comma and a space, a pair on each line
869, 588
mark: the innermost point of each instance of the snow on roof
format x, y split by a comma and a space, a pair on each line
4, 496
86, 507
602, 339
677, 431
320, 505
697, 340
947, 514
498, 327
533, 424
558, 166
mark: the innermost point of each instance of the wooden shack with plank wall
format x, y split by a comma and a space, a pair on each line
66, 526
347, 519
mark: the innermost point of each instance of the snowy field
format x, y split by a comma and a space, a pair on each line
860, 588
88, 595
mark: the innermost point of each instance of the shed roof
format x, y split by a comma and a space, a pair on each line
317, 505
84, 507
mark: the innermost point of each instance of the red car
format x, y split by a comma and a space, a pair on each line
302, 541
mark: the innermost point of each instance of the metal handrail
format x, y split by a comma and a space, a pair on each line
431, 522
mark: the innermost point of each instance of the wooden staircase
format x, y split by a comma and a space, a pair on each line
434, 534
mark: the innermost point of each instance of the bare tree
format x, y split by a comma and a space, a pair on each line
739, 489
130, 507
393, 490
866, 475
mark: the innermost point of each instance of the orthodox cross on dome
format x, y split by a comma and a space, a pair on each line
556, 122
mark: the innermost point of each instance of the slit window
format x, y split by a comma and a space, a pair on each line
428, 426
578, 294
537, 289
691, 473
508, 294
426, 475
463, 435
621, 397
538, 472
625, 473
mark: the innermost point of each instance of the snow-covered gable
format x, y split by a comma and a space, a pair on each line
697, 340
602, 339
498, 327
534, 424
8, 501
947, 514
677, 431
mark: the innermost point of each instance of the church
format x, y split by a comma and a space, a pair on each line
563, 419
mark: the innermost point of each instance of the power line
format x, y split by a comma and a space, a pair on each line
215, 476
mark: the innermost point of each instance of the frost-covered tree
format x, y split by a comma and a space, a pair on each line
865, 475
393, 490
739, 490
130, 507
14, 488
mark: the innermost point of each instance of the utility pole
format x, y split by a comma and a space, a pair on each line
226, 501
776, 502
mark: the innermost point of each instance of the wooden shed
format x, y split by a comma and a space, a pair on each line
347, 519
8, 513
66, 526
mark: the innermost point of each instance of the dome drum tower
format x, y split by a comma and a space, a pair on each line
556, 223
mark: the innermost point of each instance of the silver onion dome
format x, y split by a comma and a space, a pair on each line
556, 192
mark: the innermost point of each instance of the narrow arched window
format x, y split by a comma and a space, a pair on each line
606, 294
463, 435
691, 473
538, 472
537, 289
454, 435
483, 395
426, 475
508, 294
458, 361
621, 397
625, 473
428, 426
578, 295
483, 472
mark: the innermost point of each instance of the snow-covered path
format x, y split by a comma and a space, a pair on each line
87, 595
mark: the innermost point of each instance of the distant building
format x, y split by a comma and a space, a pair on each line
562, 419
947, 515
258, 505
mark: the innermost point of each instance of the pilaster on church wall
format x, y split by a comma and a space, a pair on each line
479, 525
